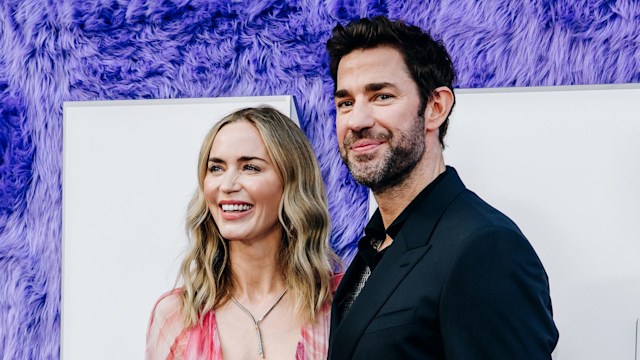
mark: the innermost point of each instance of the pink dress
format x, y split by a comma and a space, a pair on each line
167, 339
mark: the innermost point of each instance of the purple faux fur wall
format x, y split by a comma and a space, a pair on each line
54, 51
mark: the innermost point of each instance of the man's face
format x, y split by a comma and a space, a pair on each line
380, 134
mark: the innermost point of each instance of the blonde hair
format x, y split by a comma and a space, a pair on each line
305, 257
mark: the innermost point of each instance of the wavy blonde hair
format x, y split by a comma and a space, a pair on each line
305, 258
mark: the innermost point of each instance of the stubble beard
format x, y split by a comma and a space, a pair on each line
395, 165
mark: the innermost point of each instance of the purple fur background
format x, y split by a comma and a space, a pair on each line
55, 51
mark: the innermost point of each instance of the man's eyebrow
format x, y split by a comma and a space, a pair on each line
379, 86
368, 88
341, 93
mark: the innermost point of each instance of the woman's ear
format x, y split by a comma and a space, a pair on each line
438, 108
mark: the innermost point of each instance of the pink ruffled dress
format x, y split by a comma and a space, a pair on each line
167, 339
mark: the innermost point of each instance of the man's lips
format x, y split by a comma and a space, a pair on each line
364, 145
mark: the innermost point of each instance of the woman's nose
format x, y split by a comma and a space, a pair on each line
230, 181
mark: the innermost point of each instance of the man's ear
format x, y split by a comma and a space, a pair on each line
438, 108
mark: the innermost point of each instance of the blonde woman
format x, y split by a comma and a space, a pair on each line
257, 281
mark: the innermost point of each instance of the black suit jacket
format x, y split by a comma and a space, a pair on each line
460, 281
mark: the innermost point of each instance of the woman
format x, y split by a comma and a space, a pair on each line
257, 281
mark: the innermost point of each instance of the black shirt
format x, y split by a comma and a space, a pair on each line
375, 231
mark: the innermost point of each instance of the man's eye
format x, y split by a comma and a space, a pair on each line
346, 103
384, 96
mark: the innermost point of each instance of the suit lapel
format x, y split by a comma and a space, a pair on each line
351, 276
409, 246
393, 267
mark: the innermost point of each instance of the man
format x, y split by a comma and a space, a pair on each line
439, 274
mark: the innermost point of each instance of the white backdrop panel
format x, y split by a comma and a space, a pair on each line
129, 171
563, 163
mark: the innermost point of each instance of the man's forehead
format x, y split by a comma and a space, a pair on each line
364, 80
382, 64
371, 57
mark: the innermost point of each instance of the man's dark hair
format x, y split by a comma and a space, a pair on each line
428, 62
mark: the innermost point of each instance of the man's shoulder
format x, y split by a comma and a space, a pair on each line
450, 192
470, 222
469, 210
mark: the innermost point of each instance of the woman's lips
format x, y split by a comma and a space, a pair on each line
233, 209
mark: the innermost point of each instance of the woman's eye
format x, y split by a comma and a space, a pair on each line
250, 167
214, 168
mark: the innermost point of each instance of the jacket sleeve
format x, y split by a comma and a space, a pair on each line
496, 302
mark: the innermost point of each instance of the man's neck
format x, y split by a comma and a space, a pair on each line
393, 201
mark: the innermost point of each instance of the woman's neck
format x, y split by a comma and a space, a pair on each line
255, 268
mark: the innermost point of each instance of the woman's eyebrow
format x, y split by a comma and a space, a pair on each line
250, 158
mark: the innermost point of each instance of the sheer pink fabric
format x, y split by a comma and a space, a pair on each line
167, 339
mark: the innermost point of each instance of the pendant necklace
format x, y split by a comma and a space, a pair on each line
256, 323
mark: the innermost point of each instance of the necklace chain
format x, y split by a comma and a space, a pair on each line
256, 323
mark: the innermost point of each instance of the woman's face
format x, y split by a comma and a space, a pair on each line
242, 187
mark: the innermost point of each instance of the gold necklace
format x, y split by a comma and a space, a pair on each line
256, 323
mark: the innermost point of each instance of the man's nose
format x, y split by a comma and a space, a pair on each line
361, 117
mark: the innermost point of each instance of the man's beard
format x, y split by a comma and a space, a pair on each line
392, 167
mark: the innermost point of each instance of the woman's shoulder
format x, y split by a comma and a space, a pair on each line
167, 306
165, 325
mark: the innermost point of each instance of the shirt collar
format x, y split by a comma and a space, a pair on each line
375, 228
